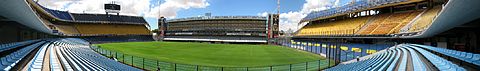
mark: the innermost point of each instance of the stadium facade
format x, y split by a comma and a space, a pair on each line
399, 19
349, 34
32, 37
83, 25
255, 29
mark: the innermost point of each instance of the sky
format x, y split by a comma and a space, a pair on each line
291, 11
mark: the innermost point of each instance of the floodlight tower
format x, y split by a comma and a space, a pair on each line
162, 24
278, 6
273, 23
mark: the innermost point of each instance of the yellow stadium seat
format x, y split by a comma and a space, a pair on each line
425, 20
344, 48
371, 51
67, 29
356, 49
101, 29
341, 27
389, 23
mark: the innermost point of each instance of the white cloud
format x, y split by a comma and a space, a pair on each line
169, 8
291, 20
262, 14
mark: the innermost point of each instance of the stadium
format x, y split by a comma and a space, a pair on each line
246, 29
361, 35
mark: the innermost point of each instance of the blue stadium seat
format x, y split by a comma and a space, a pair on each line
476, 57
5, 47
12, 59
394, 62
464, 56
393, 59
439, 62
37, 61
419, 65
403, 63
383, 64
56, 13
76, 54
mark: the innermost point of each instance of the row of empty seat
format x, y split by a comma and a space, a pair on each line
92, 29
349, 50
464, 56
403, 57
73, 55
355, 6
65, 15
425, 20
37, 61
389, 23
101, 29
60, 18
108, 18
8, 46
59, 14
10, 60
341, 27
67, 29
382, 24
110, 39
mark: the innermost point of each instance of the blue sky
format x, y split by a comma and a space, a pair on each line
241, 7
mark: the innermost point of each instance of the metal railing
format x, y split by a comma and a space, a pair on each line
156, 65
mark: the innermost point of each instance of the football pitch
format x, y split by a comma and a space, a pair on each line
218, 55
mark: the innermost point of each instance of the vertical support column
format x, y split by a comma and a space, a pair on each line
391, 10
338, 53
368, 12
321, 47
316, 48
132, 61
271, 68
306, 66
143, 63
334, 53
290, 68
111, 54
328, 53
158, 66
319, 64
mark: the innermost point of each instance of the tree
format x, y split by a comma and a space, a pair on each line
155, 30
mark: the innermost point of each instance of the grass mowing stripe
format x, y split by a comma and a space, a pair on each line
221, 55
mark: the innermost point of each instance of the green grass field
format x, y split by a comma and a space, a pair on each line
221, 55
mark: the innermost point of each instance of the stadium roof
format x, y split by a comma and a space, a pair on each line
107, 18
92, 18
218, 17
355, 6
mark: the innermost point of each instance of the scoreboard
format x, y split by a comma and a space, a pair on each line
112, 8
